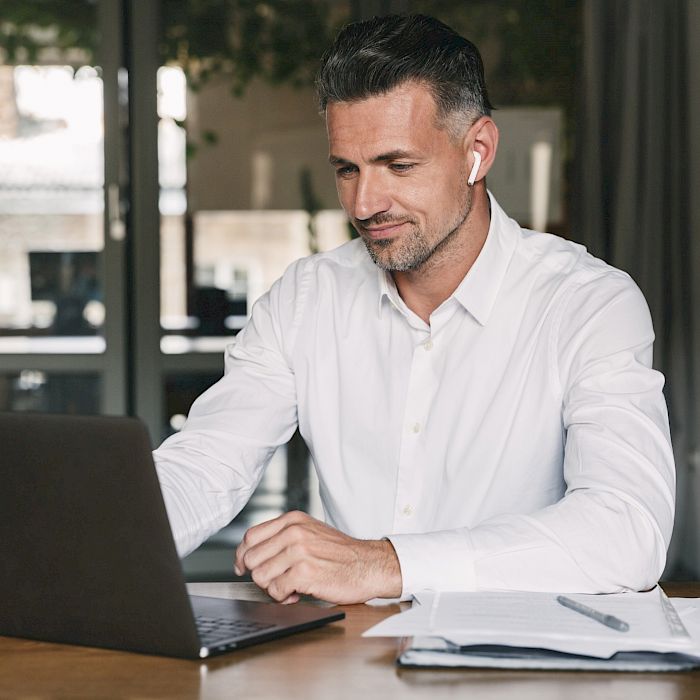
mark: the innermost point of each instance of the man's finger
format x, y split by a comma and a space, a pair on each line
264, 552
284, 587
270, 568
262, 533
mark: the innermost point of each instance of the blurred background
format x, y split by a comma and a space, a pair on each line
162, 163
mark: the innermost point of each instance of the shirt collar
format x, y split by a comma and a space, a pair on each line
478, 290
387, 288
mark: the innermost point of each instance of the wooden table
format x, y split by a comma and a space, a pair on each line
330, 662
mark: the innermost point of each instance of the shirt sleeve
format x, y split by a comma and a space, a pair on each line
611, 530
209, 469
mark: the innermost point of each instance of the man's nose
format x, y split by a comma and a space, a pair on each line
371, 196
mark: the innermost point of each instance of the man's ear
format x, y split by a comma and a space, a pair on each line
482, 138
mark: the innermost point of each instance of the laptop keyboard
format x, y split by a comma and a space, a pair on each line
219, 629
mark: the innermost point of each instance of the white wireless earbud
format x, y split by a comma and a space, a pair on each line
475, 168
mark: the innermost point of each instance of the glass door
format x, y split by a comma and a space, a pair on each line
61, 231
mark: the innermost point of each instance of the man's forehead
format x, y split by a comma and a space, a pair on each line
398, 116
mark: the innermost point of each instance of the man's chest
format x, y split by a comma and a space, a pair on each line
453, 420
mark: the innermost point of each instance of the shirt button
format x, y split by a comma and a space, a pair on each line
428, 345
416, 428
407, 510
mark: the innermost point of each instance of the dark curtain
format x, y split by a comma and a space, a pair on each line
632, 202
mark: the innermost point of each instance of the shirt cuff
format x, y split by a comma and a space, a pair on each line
439, 561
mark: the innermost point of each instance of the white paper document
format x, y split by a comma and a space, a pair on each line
537, 621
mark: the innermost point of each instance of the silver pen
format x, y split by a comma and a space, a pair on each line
608, 620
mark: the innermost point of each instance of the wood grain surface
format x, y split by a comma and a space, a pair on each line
330, 662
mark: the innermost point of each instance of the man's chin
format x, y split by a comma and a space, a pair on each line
390, 264
387, 255
380, 252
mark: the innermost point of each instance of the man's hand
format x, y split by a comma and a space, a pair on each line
296, 554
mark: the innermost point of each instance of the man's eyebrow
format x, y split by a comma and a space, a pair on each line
393, 155
381, 158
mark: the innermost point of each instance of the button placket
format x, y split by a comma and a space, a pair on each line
410, 478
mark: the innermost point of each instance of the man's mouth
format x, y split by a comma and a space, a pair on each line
381, 231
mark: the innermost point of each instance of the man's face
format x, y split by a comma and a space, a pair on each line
401, 178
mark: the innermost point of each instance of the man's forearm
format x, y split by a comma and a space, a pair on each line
587, 543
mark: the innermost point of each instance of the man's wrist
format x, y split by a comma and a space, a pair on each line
388, 581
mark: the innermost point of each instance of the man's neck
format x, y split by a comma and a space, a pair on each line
424, 289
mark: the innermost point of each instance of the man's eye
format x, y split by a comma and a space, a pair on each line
401, 167
345, 170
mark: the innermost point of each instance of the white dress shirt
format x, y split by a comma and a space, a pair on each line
518, 441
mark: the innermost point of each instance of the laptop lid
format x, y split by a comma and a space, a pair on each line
87, 555
85, 544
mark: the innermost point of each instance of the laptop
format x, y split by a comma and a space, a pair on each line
86, 552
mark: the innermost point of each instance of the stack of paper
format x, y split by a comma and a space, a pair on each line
533, 630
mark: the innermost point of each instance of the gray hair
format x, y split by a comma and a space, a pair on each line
373, 57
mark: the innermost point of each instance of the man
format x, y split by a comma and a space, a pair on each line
477, 399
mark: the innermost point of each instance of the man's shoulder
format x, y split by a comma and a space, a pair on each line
331, 276
348, 261
563, 258
581, 285
351, 254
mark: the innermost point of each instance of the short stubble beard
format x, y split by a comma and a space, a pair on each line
414, 250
